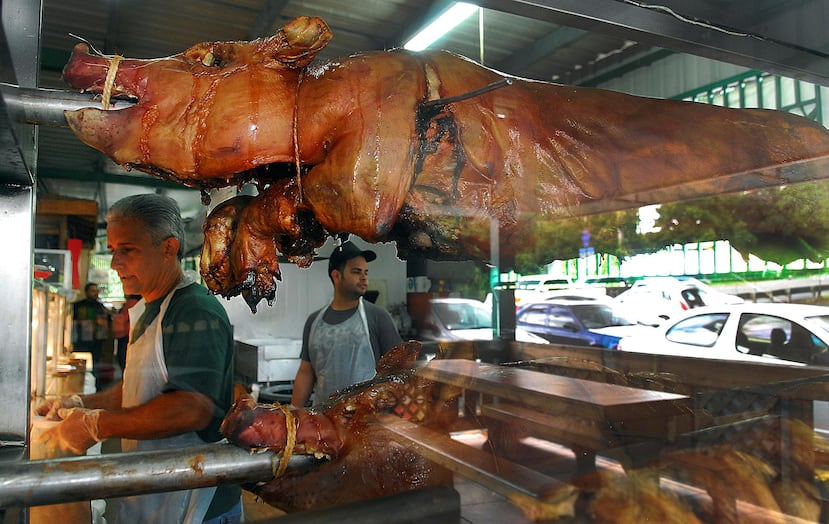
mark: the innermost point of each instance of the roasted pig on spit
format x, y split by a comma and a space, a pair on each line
424, 149
361, 461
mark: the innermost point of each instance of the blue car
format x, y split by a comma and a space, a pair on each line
578, 322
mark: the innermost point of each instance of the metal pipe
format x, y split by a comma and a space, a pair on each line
46, 106
39, 482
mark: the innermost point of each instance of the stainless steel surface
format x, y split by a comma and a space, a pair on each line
17, 205
437, 505
19, 52
42, 482
46, 106
267, 360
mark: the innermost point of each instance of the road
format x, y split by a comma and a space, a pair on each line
807, 289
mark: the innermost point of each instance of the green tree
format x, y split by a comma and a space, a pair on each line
610, 233
779, 224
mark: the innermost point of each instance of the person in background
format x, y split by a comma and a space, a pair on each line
90, 328
178, 381
121, 329
342, 342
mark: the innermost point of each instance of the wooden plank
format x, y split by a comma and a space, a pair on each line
66, 206
568, 431
558, 395
514, 481
699, 373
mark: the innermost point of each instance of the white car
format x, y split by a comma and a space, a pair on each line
653, 300
795, 334
537, 287
464, 319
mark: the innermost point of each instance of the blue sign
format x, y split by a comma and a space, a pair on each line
585, 237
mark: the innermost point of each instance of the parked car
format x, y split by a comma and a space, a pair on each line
464, 319
760, 332
578, 321
612, 286
533, 287
655, 299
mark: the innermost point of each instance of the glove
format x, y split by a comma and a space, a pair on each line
77, 432
49, 408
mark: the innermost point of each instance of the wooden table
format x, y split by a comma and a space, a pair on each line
555, 394
585, 415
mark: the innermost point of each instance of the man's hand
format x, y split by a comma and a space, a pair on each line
77, 432
49, 408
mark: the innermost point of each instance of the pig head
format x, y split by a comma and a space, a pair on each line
424, 149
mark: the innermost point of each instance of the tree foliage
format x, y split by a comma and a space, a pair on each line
779, 224
612, 233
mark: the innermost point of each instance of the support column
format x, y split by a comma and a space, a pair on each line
503, 293
418, 301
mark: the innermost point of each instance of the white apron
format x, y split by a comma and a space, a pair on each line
144, 377
340, 353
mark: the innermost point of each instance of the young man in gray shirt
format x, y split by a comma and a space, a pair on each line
343, 341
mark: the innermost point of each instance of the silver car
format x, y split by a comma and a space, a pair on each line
464, 319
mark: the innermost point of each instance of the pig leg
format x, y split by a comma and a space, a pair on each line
260, 426
244, 236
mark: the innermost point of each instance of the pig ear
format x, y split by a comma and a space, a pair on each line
300, 41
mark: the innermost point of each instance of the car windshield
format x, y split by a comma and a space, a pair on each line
821, 320
701, 330
596, 316
462, 315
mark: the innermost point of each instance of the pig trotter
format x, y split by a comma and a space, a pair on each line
245, 235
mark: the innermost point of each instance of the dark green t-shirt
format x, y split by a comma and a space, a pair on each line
198, 349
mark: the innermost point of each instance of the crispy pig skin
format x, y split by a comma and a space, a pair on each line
363, 461
260, 426
423, 149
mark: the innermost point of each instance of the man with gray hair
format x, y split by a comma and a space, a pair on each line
178, 380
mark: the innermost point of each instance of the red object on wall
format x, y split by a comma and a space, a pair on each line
75, 245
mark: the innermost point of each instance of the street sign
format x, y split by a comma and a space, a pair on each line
585, 237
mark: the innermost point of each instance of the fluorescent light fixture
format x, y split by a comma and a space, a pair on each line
447, 21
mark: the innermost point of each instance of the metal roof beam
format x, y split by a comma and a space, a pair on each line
109, 178
266, 18
625, 19
540, 49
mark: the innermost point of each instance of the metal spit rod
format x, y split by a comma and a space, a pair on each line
39, 482
46, 106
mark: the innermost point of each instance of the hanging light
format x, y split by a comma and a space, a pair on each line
444, 23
